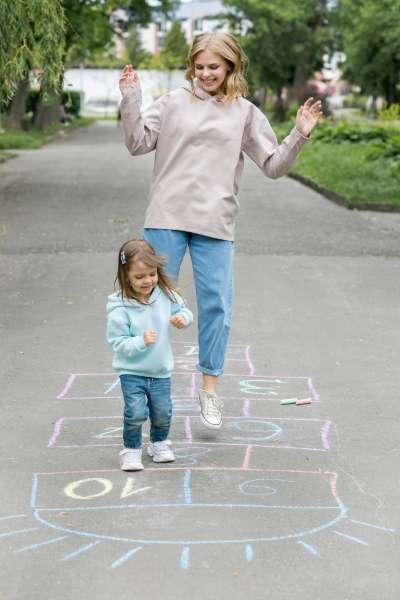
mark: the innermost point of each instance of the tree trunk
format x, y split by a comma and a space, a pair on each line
280, 107
47, 113
18, 105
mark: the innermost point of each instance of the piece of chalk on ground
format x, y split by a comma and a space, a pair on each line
290, 401
304, 401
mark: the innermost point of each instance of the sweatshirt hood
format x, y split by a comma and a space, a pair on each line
200, 92
116, 301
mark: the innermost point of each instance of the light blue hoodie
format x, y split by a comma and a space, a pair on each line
128, 319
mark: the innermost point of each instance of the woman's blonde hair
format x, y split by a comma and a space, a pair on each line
226, 46
140, 250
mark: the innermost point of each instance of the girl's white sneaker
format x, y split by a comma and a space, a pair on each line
161, 451
130, 459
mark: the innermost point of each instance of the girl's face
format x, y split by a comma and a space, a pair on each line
211, 70
143, 279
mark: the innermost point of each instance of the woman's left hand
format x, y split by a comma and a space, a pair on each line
307, 116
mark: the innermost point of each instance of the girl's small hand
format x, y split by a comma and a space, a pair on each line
307, 116
128, 78
149, 337
178, 321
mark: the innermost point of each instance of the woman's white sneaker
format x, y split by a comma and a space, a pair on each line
130, 459
161, 451
210, 409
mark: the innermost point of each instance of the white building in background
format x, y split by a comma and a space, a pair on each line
197, 16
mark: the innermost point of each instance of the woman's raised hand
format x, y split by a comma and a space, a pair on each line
128, 78
307, 116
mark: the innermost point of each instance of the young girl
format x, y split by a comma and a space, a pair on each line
200, 133
138, 318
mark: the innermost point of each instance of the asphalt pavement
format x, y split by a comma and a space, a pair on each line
286, 501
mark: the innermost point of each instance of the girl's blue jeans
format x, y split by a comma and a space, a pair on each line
146, 397
212, 262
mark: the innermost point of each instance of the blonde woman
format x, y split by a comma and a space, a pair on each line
200, 133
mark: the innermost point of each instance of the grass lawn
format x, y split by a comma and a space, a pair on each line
20, 139
344, 169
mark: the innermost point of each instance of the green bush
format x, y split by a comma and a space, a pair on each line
389, 150
390, 113
350, 132
355, 101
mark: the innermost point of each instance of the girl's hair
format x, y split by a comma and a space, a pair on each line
139, 250
226, 46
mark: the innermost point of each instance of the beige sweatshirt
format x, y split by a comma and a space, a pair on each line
199, 143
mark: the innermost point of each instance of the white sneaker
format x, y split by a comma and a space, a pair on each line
161, 451
130, 459
210, 409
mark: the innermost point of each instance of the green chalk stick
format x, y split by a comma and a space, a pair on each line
289, 401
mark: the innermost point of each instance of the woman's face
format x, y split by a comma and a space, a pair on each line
211, 70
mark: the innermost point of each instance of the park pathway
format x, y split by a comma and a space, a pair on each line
286, 501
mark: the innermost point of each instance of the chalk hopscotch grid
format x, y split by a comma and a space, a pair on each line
187, 472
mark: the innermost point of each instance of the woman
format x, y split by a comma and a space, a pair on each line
199, 133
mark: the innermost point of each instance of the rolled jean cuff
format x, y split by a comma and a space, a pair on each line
214, 372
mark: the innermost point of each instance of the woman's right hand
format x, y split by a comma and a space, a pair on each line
128, 78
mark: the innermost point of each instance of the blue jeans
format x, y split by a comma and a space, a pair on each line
212, 262
146, 397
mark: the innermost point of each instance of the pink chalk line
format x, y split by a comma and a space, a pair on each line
313, 390
56, 433
247, 456
70, 381
246, 408
188, 429
325, 433
331, 474
248, 359
193, 386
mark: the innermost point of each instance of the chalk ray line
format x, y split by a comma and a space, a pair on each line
373, 526
351, 538
310, 548
185, 555
249, 552
10, 533
12, 517
125, 557
81, 550
46, 543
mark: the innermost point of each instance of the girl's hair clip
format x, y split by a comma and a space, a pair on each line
123, 258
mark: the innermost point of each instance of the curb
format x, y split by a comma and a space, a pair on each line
342, 200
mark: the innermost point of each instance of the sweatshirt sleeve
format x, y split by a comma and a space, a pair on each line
261, 145
141, 128
119, 335
178, 307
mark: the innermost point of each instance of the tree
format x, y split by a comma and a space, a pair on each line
175, 50
135, 53
31, 37
285, 42
47, 35
371, 43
